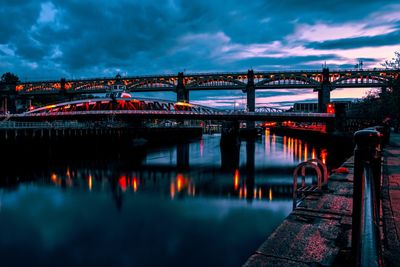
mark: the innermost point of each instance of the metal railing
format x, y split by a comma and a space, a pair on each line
300, 192
366, 202
11, 125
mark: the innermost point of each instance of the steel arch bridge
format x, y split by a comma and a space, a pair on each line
130, 109
215, 81
269, 109
118, 104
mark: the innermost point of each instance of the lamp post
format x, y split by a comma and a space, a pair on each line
235, 104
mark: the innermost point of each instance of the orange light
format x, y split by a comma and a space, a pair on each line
54, 178
134, 184
324, 154
180, 181
90, 182
172, 190
270, 194
183, 104
305, 152
236, 179
50, 106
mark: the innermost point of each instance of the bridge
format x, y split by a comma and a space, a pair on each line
132, 109
322, 81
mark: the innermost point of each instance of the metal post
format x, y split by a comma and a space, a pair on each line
324, 93
182, 94
366, 187
251, 97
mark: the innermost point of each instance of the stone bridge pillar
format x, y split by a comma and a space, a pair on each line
9, 98
182, 156
3, 104
251, 96
230, 145
62, 86
250, 168
324, 93
182, 94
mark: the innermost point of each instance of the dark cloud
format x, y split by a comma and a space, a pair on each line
351, 43
72, 39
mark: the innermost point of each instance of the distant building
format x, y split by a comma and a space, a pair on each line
305, 107
309, 107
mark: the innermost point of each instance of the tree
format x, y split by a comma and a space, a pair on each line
394, 63
9, 78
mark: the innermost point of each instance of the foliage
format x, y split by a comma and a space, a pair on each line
394, 63
9, 78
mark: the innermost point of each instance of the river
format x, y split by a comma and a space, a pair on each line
177, 205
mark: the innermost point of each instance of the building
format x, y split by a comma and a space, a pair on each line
309, 107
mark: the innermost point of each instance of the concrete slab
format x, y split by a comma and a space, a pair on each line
302, 240
259, 260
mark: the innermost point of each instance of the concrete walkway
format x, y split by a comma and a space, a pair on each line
391, 202
318, 232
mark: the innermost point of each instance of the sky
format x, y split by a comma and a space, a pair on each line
100, 38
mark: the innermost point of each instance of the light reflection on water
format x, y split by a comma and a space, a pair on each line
178, 206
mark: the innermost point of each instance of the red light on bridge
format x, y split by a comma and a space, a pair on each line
330, 108
125, 95
122, 182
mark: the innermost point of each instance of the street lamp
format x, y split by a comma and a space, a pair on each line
235, 104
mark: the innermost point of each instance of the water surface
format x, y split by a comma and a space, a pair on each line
181, 205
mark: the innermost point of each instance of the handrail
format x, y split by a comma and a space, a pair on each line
366, 206
303, 189
322, 166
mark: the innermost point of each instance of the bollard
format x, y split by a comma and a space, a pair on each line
366, 189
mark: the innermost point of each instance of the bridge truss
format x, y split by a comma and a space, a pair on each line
216, 81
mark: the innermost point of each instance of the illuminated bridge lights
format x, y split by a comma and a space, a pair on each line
218, 81
122, 103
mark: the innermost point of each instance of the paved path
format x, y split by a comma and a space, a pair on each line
318, 233
391, 202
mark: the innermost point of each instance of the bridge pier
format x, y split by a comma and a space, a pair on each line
230, 145
3, 104
182, 94
324, 92
250, 168
251, 97
182, 156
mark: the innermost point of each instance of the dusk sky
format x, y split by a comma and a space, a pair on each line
97, 38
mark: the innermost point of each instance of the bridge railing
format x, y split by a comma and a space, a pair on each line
44, 125
256, 72
215, 112
366, 201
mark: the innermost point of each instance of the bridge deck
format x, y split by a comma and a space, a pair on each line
178, 115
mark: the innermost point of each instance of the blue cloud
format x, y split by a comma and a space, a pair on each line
72, 39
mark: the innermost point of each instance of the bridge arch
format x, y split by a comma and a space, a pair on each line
89, 86
214, 81
151, 84
40, 89
367, 79
131, 104
289, 80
